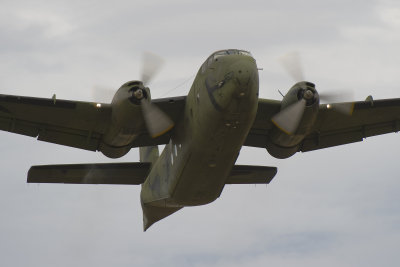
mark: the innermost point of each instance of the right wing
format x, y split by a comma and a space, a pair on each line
332, 128
70, 123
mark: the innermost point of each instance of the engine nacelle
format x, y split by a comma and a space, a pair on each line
283, 145
126, 119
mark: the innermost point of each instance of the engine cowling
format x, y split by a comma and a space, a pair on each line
126, 119
282, 144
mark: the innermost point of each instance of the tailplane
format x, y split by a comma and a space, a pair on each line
149, 154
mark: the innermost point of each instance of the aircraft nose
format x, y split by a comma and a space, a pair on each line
244, 70
238, 80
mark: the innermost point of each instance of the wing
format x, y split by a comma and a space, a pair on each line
369, 118
258, 134
71, 123
333, 128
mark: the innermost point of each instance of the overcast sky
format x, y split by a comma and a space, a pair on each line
334, 207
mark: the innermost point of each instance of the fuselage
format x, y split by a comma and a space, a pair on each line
220, 109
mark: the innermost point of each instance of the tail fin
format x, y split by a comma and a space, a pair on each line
149, 154
152, 214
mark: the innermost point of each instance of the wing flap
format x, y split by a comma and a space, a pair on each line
17, 126
102, 173
245, 174
70, 137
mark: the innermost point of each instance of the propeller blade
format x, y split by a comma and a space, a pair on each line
151, 66
291, 62
102, 94
289, 118
336, 101
157, 121
346, 108
336, 96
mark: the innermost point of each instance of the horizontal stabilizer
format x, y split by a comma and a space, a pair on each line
107, 173
134, 173
244, 174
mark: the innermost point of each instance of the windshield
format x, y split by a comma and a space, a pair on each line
231, 52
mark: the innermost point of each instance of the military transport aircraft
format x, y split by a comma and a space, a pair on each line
203, 132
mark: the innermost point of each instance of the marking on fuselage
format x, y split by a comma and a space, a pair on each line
218, 85
210, 91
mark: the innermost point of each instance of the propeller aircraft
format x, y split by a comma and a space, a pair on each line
203, 132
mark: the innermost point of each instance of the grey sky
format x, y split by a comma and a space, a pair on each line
334, 207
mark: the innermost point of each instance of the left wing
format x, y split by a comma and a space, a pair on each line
333, 128
72, 123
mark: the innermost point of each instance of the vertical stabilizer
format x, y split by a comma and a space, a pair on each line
153, 211
152, 214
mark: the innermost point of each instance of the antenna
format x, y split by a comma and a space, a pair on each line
280, 93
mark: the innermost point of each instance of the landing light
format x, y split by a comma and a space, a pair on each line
98, 105
328, 106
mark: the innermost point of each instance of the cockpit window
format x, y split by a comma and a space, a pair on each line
231, 52
223, 53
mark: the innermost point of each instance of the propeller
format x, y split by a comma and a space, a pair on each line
102, 94
291, 62
157, 122
288, 119
152, 65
